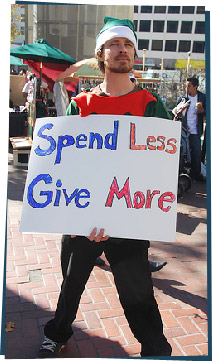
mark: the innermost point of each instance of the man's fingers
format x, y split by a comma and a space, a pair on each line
99, 237
105, 238
92, 235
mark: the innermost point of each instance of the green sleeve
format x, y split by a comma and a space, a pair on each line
72, 109
157, 109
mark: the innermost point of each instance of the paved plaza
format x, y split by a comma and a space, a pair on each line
100, 329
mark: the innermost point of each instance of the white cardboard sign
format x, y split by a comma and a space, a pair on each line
114, 172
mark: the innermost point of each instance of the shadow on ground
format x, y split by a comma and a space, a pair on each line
169, 287
24, 341
196, 196
16, 180
187, 224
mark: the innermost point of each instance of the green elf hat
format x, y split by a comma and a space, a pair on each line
116, 28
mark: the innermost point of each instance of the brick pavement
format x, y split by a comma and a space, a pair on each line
101, 330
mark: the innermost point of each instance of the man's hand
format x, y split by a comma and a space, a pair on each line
97, 238
200, 110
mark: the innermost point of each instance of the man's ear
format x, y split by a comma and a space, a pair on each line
101, 53
101, 56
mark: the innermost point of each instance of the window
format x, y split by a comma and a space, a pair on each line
22, 30
157, 45
160, 9
145, 25
184, 46
172, 26
200, 27
54, 29
171, 45
174, 9
90, 30
136, 25
135, 9
200, 10
158, 26
146, 9
143, 44
186, 27
188, 10
198, 47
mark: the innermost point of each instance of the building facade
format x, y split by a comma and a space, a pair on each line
71, 28
169, 33
19, 20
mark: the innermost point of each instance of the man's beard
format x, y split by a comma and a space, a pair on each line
123, 68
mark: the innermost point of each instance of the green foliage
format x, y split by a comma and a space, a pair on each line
15, 18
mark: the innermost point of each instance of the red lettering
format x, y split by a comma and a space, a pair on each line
161, 139
166, 197
125, 192
149, 197
149, 140
139, 200
174, 148
132, 139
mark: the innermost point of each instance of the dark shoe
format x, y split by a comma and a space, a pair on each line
99, 262
166, 351
50, 349
156, 266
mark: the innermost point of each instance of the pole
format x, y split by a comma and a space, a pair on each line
35, 22
77, 30
188, 63
144, 55
41, 66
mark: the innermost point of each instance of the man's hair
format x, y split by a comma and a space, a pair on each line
101, 63
98, 55
194, 81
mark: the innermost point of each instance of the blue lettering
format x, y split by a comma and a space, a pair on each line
43, 152
58, 193
113, 137
69, 199
41, 177
98, 138
61, 139
78, 196
81, 138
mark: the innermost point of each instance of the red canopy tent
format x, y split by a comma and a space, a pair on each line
50, 72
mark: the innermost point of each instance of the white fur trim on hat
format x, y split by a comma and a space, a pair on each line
115, 32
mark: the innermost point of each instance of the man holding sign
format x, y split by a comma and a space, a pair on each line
128, 258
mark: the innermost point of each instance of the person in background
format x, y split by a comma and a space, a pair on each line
13, 72
28, 89
10, 101
22, 72
192, 121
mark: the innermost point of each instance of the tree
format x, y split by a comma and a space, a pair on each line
15, 18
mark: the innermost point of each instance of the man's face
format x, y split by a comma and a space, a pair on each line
191, 89
118, 55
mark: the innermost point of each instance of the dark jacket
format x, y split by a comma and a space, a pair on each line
200, 98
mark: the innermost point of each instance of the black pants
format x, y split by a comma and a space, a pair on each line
195, 147
130, 267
